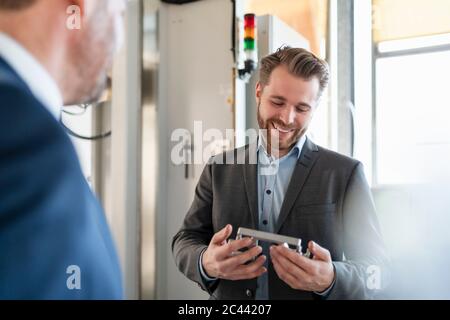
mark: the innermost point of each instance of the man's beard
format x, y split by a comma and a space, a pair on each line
92, 67
98, 90
272, 133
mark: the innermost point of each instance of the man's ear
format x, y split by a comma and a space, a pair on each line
258, 91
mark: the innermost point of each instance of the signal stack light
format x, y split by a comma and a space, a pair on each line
250, 50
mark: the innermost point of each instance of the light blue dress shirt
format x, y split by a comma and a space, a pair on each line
274, 176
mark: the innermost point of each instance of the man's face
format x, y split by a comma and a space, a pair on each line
94, 49
286, 106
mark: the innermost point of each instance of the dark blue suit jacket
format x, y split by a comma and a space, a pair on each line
54, 239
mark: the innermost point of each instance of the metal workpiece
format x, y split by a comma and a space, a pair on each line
272, 238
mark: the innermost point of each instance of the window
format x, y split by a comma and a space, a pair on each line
412, 116
411, 109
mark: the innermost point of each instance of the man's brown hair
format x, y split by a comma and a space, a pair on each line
300, 63
15, 4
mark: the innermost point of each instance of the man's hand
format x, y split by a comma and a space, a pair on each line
218, 261
301, 273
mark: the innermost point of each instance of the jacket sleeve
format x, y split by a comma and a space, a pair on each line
196, 232
365, 268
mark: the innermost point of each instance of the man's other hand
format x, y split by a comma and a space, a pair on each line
301, 273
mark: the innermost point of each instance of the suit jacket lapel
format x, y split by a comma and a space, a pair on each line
251, 181
306, 161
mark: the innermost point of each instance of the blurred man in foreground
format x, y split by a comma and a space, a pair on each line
54, 239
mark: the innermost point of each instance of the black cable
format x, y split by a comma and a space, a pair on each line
76, 135
84, 107
233, 31
74, 113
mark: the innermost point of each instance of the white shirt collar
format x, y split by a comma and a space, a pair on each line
39, 81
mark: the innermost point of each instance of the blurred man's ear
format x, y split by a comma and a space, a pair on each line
79, 3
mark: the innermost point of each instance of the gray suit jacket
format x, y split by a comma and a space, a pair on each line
328, 201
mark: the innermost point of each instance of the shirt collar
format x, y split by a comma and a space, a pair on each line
296, 149
39, 81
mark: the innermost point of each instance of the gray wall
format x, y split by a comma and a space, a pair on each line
195, 84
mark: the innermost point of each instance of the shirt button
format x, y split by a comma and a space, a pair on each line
265, 222
249, 293
268, 192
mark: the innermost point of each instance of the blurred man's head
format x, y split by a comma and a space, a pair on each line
77, 58
94, 45
291, 83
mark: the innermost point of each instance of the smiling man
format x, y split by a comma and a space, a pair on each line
314, 194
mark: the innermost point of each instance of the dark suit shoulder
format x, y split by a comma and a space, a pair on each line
23, 117
14, 91
7, 78
336, 159
35, 152
230, 156
11, 82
